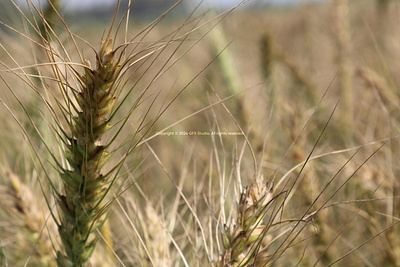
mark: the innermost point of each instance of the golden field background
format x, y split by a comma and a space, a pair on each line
314, 89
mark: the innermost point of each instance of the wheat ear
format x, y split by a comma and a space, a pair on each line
23, 222
84, 184
243, 239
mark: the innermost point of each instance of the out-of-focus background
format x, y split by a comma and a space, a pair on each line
76, 4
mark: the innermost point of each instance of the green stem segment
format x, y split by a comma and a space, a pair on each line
84, 184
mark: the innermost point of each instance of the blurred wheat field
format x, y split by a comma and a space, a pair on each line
262, 136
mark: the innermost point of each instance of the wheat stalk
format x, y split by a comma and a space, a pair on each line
346, 67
